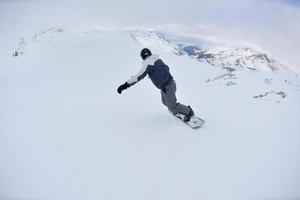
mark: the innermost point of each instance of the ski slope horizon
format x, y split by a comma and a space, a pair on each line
269, 24
67, 134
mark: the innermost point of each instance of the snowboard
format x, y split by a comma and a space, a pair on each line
195, 122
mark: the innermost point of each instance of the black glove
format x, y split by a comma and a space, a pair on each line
123, 87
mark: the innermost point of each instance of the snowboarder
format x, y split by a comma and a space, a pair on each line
160, 75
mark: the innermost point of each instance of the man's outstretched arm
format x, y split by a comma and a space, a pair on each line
134, 79
139, 76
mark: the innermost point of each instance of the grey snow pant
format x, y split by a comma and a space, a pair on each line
168, 98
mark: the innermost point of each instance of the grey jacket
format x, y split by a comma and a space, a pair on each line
157, 71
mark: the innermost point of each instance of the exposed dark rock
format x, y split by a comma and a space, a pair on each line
229, 69
15, 54
281, 94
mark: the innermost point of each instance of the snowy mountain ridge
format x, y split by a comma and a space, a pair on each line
230, 58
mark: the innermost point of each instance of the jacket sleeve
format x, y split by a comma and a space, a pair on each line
139, 76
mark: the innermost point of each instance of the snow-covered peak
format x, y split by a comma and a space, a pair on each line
230, 57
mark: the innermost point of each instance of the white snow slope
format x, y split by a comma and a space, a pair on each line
66, 134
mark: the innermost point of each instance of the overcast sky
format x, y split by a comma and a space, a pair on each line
272, 25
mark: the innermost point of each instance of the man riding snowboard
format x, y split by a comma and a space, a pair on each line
160, 75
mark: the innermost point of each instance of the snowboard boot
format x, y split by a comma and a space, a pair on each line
188, 117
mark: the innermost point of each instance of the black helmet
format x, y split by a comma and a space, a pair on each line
145, 53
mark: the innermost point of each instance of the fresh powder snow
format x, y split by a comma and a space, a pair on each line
65, 132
